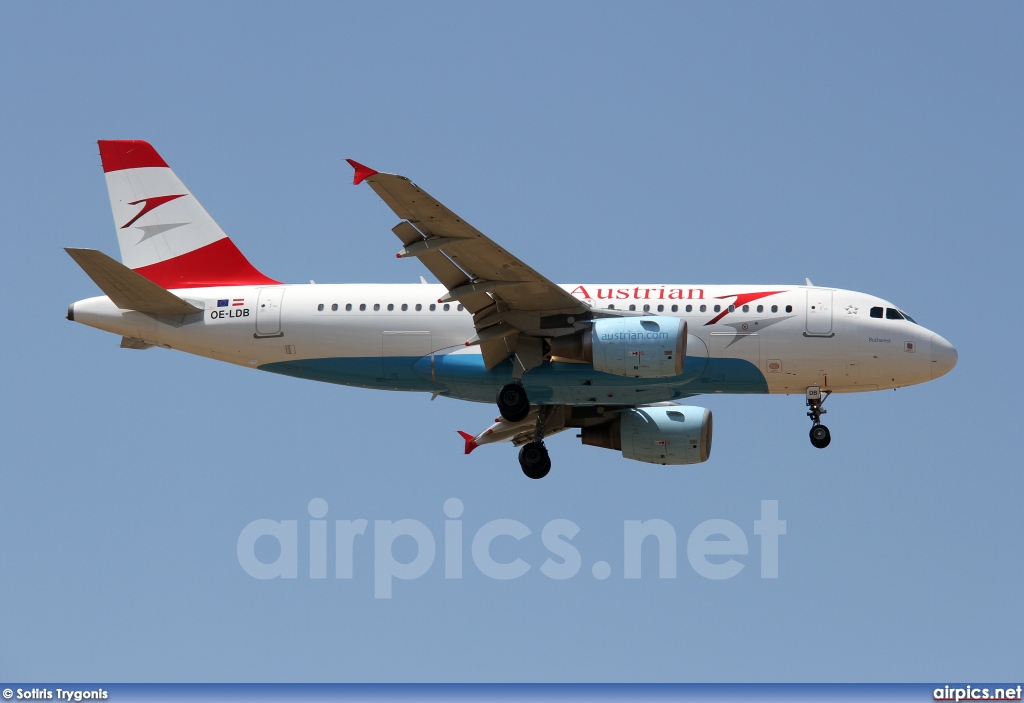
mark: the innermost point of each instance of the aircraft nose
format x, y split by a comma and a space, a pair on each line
944, 356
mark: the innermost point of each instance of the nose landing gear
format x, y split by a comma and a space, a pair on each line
820, 435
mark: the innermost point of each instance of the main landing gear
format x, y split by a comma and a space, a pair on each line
820, 436
533, 457
534, 460
513, 404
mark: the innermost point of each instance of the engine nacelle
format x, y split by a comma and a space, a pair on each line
665, 435
638, 347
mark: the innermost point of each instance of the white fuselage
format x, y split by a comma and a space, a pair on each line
393, 336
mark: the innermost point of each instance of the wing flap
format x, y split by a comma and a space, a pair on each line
518, 432
494, 351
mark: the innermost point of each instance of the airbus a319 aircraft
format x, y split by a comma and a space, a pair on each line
611, 361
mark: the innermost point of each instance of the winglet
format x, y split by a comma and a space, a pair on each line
470, 441
362, 172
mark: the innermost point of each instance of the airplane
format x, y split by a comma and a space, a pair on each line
611, 361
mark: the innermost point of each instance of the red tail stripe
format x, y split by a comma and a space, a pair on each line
216, 264
120, 154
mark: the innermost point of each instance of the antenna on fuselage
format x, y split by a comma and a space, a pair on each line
809, 284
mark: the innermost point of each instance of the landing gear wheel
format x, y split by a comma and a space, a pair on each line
820, 436
513, 404
534, 459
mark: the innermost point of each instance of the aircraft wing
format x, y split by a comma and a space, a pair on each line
509, 300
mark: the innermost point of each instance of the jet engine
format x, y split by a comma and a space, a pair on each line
638, 347
679, 434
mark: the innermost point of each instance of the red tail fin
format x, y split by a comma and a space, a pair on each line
164, 233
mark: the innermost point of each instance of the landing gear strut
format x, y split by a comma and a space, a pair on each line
820, 436
533, 457
513, 404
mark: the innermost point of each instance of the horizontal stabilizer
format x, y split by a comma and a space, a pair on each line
134, 343
129, 290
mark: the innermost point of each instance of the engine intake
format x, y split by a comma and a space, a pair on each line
638, 347
665, 435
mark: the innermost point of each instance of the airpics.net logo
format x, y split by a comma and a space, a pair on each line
716, 549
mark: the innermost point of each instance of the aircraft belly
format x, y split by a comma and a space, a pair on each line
460, 373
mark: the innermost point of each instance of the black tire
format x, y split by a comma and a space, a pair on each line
534, 460
820, 436
513, 404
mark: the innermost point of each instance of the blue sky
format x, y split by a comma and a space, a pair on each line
870, 146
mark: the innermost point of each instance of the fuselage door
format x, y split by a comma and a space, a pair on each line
268, 312
819, 312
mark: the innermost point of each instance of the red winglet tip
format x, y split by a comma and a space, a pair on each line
362, 172
470, 441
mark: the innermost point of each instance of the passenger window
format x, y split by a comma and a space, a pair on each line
892, 314
732, 308
647, 308
661, 308
362, 306
703, 308
419, 306
334, 308
718, 308
632, 307
405, 307
775, 308
433, 307
460, 308
348, 307
612, 306
376, 306
320, 307
746, 308
689, 308
675, 308
760, 308
391, 306
876, 312
789, 308
447, 307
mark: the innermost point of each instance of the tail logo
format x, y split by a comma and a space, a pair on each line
150, 204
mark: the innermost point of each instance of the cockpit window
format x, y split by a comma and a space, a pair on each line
893, 314
908, 317
876, 312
